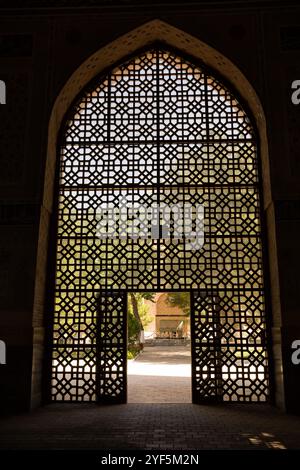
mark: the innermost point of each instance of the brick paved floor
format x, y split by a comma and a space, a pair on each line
160, 374
151, 426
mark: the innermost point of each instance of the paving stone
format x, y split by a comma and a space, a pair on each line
132, 426
160, 374
159, 415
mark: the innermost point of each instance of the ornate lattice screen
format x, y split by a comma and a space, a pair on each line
159, 130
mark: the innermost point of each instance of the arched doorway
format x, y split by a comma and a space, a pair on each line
159, 129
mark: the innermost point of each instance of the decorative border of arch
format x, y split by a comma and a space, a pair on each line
107, 56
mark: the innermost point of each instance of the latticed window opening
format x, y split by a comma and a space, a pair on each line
159, 131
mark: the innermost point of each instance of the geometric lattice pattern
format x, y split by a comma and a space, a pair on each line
112, 347
159, 130
229, 344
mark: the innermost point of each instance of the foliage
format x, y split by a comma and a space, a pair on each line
133, 351
133, 327
147, 295
143, 311
181, 300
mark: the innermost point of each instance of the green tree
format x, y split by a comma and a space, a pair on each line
138, 314
181, 300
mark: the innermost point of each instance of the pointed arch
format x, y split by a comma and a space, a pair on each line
128, 44
103, 59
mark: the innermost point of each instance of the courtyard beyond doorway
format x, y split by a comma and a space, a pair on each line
161, 374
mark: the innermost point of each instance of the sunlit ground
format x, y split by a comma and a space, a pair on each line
164, 361
264, 439
159, 370
160, 374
